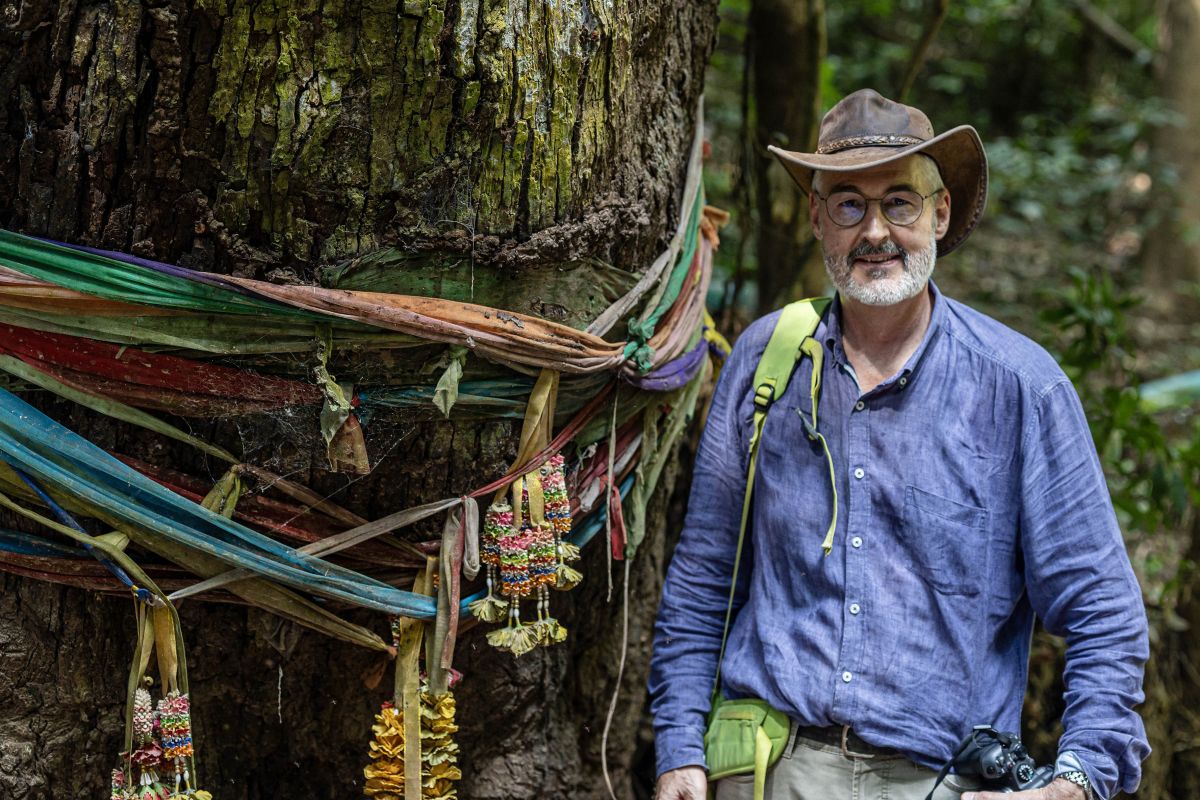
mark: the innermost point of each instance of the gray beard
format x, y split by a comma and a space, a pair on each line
877, 290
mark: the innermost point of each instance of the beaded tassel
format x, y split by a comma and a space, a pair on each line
554, 485
515, 583
162, 738
542, 556
175, 722
558, 513
496, 524
543, 561
514, 564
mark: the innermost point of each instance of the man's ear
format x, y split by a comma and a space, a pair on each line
814, 215
941, 213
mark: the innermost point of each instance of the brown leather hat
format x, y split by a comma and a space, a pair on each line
866, 129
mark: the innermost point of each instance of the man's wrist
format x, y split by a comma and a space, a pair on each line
1078, 777
1069, 767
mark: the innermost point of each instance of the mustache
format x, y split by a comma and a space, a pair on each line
889, 248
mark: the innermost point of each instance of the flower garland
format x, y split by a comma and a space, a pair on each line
439, 751
526, 549
162, 742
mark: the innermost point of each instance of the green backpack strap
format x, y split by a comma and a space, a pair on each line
791, 340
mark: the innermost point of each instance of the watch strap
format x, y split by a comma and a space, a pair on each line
1079, 778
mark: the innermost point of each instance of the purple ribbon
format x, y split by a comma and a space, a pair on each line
674, 374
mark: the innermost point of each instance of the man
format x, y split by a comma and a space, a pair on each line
969, 499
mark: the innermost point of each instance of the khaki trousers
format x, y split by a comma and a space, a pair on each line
810, 770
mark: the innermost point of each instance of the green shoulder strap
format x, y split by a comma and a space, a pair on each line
791, 340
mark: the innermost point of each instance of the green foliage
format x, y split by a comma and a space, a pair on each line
1088, 179
728, 100
1153, 479
993, 61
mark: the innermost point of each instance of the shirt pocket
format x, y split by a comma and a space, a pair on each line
946, 541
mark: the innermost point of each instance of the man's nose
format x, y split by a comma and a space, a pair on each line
874, 225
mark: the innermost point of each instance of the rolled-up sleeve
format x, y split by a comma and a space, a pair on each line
691, 614
1081, 584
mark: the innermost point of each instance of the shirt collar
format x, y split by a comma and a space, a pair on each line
832, 335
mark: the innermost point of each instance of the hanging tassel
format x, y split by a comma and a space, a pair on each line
568, 551
501, 638
543, 554
524, 543
118, 785
147, 753
175, 725
514, 565
550, 631
162, 738
558, 513
497, 524
566, 578
524, 639
558, 505
544, 573
542, 561
489, 608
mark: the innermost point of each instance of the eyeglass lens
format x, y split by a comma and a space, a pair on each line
848, 208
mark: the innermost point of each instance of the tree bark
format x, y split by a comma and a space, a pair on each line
502, 141
788, 48
1172, 257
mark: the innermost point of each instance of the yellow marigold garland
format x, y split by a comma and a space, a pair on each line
439, 751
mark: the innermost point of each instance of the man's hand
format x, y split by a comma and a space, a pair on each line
685, 783
1058, 790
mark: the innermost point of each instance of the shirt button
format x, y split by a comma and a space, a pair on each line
847, 677
904, 381
855, 608
858, 473
860, 405
856, 541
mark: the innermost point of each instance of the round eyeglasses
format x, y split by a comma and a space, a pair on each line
847, 208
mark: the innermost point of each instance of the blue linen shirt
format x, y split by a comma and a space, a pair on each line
970, 499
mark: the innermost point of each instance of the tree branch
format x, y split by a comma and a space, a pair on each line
1109, 28
917, 60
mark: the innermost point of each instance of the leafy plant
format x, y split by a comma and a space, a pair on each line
1152, 479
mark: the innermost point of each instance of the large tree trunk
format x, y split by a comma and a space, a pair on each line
502, 141
788, 39
1172, 259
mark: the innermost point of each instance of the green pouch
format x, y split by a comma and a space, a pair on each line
744, 736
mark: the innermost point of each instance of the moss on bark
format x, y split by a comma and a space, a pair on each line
283, 139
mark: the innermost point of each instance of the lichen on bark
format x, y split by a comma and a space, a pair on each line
492, 115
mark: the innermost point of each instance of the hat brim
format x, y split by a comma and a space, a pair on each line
960, 158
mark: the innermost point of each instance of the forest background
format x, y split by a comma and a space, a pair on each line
1090, 245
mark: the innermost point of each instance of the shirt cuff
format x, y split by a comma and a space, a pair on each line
1068, 761
678, 747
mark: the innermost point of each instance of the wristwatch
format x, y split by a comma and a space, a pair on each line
1079, 778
